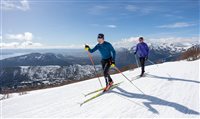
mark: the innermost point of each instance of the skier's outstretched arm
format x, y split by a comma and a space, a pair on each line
93, 49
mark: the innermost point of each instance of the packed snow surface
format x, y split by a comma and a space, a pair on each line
171, 90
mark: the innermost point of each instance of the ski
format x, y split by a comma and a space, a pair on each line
138, 76
99, 94
99, 90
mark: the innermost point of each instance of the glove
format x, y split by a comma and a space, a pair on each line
112, 63
87, 47
146, 58
134, 53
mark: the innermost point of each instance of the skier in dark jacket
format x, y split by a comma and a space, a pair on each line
108, 57
142, 50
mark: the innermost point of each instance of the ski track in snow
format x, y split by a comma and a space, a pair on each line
176, 95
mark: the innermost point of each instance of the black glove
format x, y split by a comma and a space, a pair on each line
135, 53
87, 47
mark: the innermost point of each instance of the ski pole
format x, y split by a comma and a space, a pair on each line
158, 67
152, 62
129, 80
90, 56
137, 61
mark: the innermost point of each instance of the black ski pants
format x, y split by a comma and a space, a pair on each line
142, 63
106, 64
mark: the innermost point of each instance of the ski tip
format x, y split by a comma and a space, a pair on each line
80, 104
84, 94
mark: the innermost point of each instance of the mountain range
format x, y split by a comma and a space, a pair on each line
53, 66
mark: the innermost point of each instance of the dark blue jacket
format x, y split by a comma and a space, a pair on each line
105, 49
142, 49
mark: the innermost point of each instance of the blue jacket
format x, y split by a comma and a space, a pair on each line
105, 49
142, 49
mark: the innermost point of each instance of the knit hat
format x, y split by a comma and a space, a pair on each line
100, 36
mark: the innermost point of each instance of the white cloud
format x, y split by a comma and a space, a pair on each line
111, 26
174, 39
143, 11
23, 40
72, 46
9, 45
147, 10
126, 42
108, 26
27, 36
30, 44
177, 25
173, 16
26, 44
131, 8
97, 10
13, 5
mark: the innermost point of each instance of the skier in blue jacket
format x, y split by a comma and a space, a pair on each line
142, 50
108, 57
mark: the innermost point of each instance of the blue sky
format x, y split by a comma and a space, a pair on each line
66, 22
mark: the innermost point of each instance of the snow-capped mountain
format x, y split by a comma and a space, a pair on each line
172, 45
171, 91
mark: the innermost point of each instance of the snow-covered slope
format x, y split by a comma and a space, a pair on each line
171, 90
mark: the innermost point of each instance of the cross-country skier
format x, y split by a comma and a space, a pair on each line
142, 50
108, 57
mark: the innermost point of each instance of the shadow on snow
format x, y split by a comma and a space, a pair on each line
151, 100
171, 78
